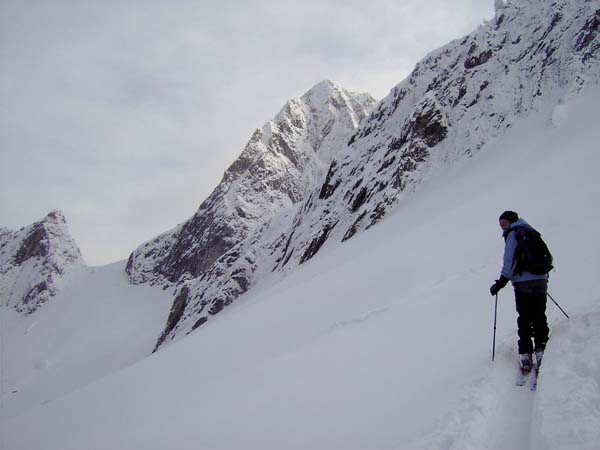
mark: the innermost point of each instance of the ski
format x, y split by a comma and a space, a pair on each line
525, 369
536, 369
522, 377
534, 378
529, 377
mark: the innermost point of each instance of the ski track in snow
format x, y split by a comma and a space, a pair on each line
567, 411
494, 414
562, 414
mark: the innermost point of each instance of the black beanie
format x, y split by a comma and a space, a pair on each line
511, 216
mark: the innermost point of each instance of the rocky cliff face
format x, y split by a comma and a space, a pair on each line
531, 56
309, 178
34, 261
213, 257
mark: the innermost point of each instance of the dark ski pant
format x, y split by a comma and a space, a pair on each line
530, 297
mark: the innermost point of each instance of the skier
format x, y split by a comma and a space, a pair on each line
530, 294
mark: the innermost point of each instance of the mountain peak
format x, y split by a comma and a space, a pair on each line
327, 91
324, 88
34, 260
55, 216
212, 252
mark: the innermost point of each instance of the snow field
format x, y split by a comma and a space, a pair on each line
383, 342
97, 324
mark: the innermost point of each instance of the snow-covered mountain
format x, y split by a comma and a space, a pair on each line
383, 342
34, 262
531, 56
305, 180
213, 257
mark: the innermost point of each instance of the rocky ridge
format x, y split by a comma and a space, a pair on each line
279, 204
214, 257
532, 56
34, 262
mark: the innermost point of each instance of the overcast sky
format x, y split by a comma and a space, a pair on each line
125, 114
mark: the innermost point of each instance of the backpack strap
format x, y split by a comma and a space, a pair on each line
505, 233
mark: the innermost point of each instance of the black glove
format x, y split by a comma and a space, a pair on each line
499, 284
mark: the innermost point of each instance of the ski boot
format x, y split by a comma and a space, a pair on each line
525, 363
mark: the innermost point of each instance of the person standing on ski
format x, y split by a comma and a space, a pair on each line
530, 290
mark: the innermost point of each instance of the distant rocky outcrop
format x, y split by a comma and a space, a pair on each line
34, 261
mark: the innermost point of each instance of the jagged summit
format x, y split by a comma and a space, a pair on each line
321, 171
34, 261
212, 257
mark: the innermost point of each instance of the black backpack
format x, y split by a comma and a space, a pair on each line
532, 253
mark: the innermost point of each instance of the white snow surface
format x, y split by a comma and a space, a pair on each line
96, 324
383, 342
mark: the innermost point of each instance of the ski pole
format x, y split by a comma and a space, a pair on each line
494, 340
561, 310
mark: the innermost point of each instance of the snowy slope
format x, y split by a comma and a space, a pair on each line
96, 324
384, 342
62, 324
533, 56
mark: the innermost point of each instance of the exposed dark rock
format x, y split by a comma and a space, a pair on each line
477, 60
241, 279
387, 163
396, 144
500, 20
428, 125
587, 35
377, 214
354, 228
398, 182
360, 199
215, 239
199, 322
175, 315
399, 95
216, 307
287, 258
328, 187
317, 243
357, 184
34, 292
35, 244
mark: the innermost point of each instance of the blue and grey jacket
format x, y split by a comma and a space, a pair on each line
510, 261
